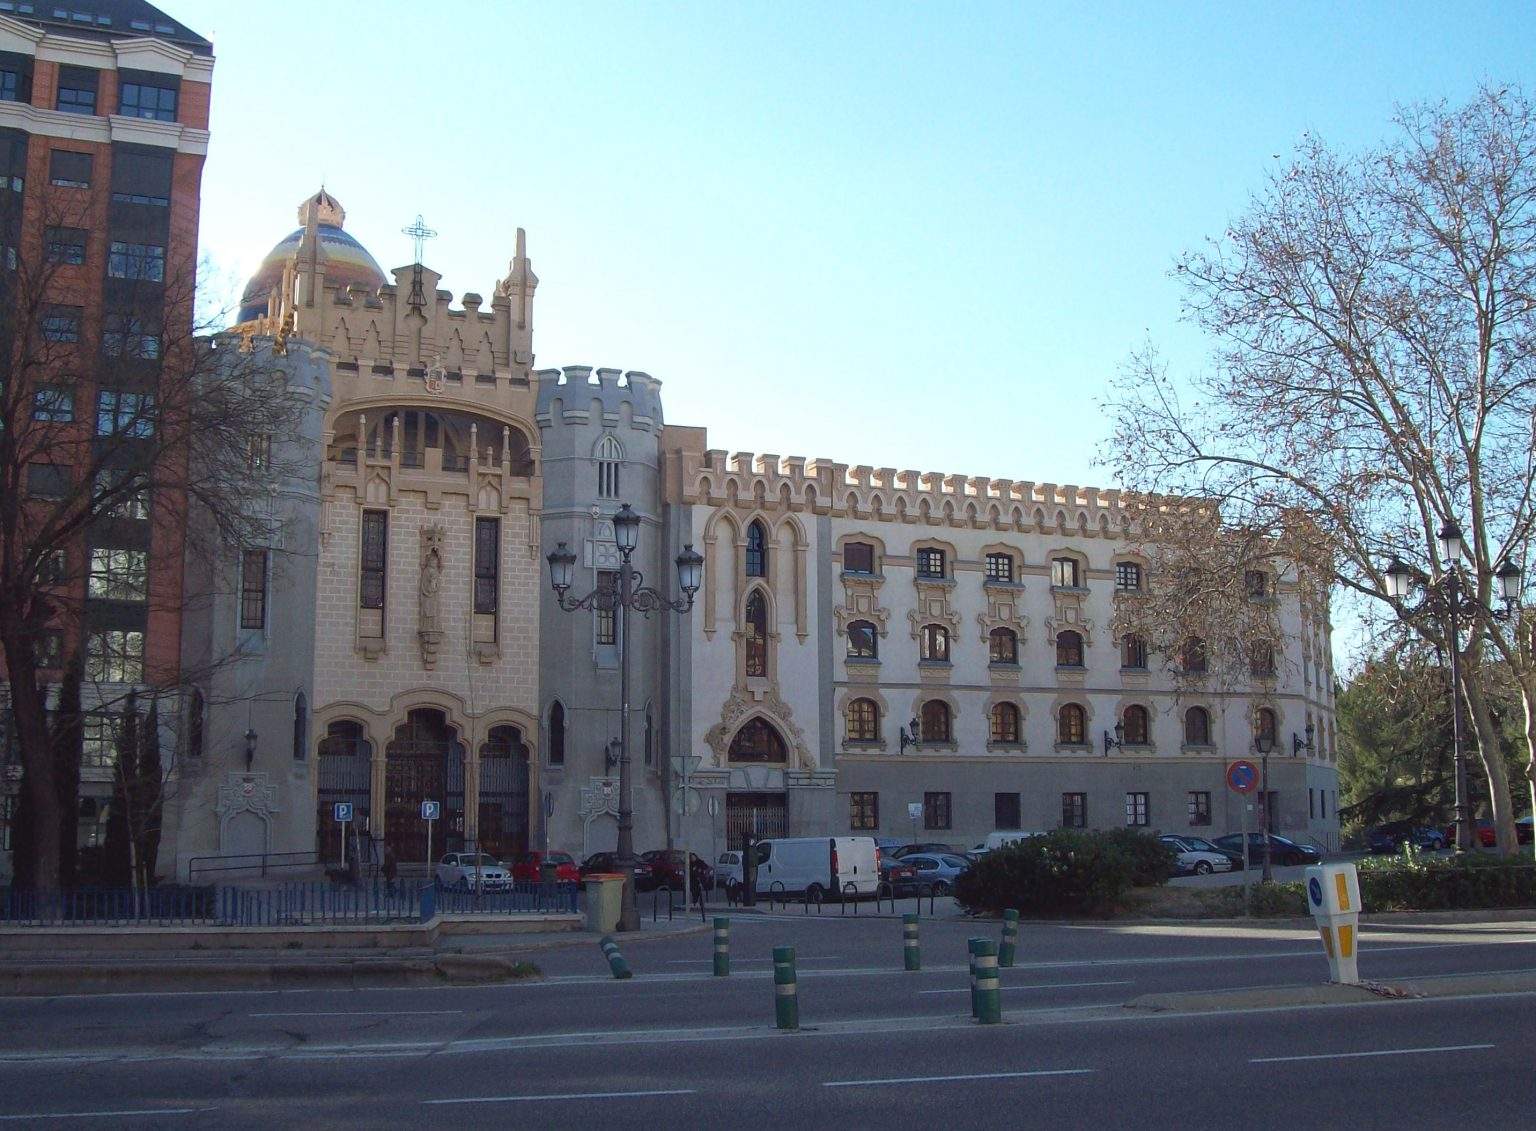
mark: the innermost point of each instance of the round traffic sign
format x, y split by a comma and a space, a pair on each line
1315, 890
1242, 776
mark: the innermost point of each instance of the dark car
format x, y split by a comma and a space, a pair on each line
1282, 852
901, 877
609, 862
925, 846
1201, 844
1394, 836
667, 870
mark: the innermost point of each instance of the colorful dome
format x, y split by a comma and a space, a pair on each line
347, 262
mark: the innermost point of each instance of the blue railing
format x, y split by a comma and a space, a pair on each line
295, 904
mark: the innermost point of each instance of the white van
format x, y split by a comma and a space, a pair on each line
1000, 840
818, 865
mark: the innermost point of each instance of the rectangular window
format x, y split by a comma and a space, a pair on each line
930, 563
1065, 573
47, 480
99, 748
77, 90
119, 575
864, 811
65, 245
50, 649
122, 413
13, 83
487, 563
53, 568
141, 177
935, 810
253, 589
1256, 583
1127, 577
1074, 810
7, 817
1005, 811
124, 335
53, 403
1322, 801
258, 453
121, 494
607, 479
1000, 567
1136, 815
144, 261
1199, 807
858, 557
61, 323
607, 628
68, 169
115, 656
1311, 804
375, 553
141, 100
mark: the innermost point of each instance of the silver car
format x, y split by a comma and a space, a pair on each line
938, 869
1191, 860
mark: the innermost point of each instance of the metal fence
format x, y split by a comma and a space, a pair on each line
295, 904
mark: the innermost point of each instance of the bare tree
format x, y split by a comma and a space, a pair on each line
112, 415
1373, 315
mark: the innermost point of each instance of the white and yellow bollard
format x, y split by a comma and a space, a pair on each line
1333, 897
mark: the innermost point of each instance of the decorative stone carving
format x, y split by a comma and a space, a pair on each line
934, 607
247, 802
1002, 612
600, 798
861, 601
429, 627
1069, 615
741, 704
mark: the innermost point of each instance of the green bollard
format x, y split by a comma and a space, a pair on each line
989, 994
974, 946
786, 999
616, 961
912, 955
1006, 952
722, 947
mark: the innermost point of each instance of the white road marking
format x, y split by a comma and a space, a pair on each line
970, 1076
1373, 1052
368, 1013
1048, 986
105, 1114
744, 961
564, 1096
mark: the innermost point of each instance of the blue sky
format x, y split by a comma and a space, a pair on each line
907, 235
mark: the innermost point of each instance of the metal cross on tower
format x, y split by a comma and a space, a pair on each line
419, 233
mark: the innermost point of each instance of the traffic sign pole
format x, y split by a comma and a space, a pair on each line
1242, 778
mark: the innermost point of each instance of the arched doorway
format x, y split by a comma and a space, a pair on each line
504, 793
423, 762
345, 774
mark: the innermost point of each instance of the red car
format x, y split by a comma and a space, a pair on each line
1483, 834
529, 868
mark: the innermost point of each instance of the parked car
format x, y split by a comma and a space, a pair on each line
1201, 844
667, 869
1191, 861
457, 872
907, 849
1395, 835
1002, 840
818, 865
609, 862
937, 869
529, 868
1282, 852
1524, 829
900, 874
1483, 835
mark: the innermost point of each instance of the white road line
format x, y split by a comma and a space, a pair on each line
1373, 1052
564, 1096
743, 961
1050, 986
368, 1013
105, 1114
971, 1076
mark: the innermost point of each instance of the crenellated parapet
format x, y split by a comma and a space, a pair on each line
791, 483
579, 394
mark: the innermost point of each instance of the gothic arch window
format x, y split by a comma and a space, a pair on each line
557, 733
1265, 728
1197, 727
1072, 725
1261, 660
757, 550
1194, 656
758, 741
1003, 646
863, 721
650, 735
1005, 723
757, 634
933, 644
196, 713
1138, 726
935, 721
609, 454
300, 726
1069, 649
863, 641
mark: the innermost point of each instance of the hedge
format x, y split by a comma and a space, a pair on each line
1064, 872
1410, 882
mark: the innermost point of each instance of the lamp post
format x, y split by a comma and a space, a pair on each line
250, 749
1113, 740
1265, 742
909, 736
631, 596
1445, 596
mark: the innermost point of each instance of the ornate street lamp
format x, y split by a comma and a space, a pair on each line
631, 595
1264, 742
1116, 739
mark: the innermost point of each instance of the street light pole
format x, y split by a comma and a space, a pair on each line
1458, 754
1265, 742
632, 596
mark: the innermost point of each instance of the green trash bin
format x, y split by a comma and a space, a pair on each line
605, 900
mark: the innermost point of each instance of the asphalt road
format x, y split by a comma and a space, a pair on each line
675, 1047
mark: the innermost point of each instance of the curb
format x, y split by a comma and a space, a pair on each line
1334, 993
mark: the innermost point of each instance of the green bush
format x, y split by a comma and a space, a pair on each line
1416, 882
1063, 872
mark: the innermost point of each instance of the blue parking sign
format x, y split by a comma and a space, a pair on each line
343, 811
430, 810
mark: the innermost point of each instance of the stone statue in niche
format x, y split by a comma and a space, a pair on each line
429, 612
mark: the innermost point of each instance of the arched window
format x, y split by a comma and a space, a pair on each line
757, 741
1265, 729
1138, 726
1197, 727
757, 634
1133, 652
1194, 656
863, 641
556, 734
1005, 722
935, 721
1261, 659
757, 550
1003, 646
1072, 725
1069, 649
933, 644
863, 721
196, 713
610, 457
300, 727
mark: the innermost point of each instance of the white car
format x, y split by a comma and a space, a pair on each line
1195, 861
728, 873
457, 871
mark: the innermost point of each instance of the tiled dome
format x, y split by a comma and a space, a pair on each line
346, 261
